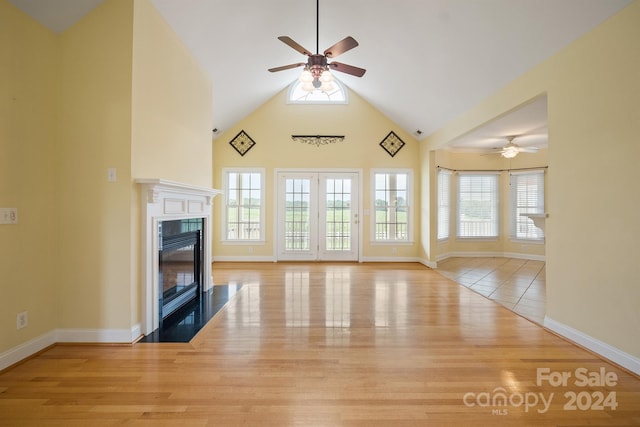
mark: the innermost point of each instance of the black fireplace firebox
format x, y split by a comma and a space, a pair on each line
180, 263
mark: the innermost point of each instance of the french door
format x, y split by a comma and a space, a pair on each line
317, 216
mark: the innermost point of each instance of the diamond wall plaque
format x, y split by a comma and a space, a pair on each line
242, 142
392, 143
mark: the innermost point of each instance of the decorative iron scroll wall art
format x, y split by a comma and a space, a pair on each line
392, 143
317, 140
242, 142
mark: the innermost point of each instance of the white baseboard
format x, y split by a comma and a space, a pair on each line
111, 336
605, 350
427, 263
102, 336
531, 257
24, 350
389, 259
243, 259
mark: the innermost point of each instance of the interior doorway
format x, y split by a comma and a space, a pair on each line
318, 216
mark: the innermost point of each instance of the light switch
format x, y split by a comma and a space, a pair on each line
111, 175
8, 215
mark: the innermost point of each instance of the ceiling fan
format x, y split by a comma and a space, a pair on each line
511, 150
316, 69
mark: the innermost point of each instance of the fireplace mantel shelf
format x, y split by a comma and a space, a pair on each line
157, 185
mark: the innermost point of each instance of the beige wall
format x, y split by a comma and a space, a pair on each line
272, 125
95, 134
171, 112
592, 230
28, 271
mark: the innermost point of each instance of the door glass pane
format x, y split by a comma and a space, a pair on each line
297, 200
338, 214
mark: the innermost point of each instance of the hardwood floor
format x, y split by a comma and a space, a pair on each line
330, 344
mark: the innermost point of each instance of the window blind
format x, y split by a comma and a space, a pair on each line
444, 203
477, 205
527, 196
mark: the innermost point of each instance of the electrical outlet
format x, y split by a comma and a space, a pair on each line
394, 250
22, 320
8, 215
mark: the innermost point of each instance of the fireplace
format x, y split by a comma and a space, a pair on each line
176, 247
179, 263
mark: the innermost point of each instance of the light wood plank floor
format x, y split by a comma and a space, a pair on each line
330, 344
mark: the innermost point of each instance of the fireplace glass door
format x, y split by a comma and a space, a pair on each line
180, 263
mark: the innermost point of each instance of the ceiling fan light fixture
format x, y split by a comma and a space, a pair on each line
306, 76
326, 77
327, 87
509, 152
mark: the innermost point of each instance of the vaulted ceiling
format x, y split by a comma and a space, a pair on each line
427, 61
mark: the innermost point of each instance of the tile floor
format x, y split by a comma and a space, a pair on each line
517, 284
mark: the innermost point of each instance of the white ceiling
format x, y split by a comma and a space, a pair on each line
427, 61
526, 125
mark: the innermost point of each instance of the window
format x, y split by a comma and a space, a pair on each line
478, 205
444, 203
391, 205
527, 196
244, 205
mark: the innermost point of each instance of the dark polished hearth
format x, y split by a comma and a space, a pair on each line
184, 324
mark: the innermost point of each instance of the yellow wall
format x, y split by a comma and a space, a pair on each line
271, 127
171, 105
95, 134
28, 273
592, 230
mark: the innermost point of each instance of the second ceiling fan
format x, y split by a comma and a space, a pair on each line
316, 70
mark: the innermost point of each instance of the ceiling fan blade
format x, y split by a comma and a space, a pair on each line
341, 47
528, 149
287, 67
289, 42
348, 69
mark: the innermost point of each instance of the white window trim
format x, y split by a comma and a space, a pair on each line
225, 175
372, 217
497, 207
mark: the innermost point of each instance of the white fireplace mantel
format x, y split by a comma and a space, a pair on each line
163, 200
